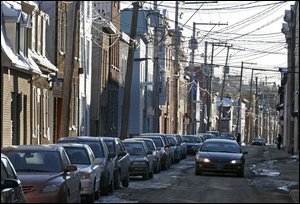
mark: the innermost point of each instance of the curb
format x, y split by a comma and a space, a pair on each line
295, 195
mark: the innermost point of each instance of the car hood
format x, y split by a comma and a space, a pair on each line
134, 158
221, 155
31, 178
83, 167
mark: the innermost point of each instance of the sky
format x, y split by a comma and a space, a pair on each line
253, 29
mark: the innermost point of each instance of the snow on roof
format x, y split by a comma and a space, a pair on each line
42, 60
12, 11
18, 61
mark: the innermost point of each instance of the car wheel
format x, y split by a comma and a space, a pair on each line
117, 180
241, 173
151, 173
125, 182
111, 186
91, 198
146, 175
197, 171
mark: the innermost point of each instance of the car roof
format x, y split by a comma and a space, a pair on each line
71, 144
220, 140
30, 147
91, 138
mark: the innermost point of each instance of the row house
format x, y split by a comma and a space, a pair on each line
288, 104
106, 104
26, 73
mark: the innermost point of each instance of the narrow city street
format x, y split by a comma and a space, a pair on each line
266, 180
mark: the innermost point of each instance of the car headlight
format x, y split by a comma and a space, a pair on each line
200, 159
235, 162
85, 175
51, 188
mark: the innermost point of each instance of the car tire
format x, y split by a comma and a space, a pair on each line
117, 180
125, 182
197, 171
111, 186
146, 175
91, 198
241, 174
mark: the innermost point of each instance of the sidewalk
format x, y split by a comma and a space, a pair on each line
288, 165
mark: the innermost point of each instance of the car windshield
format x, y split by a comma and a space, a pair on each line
149, 145
220, 147
110, 146
33, 160
96, 147
78, 155
158, 142
190, 139
135, 148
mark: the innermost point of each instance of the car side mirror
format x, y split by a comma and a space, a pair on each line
122, 154
9, 183
71, 168
111, 155
97, 161
149, 152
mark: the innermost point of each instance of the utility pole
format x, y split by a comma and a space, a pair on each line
175, 77
156, 75
250, 129
210, 89
128, 77
64, 116
239, 103
225, 71
256, 109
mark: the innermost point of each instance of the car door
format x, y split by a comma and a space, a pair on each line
72, 178
123, 157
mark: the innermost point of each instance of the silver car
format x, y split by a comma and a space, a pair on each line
89, 169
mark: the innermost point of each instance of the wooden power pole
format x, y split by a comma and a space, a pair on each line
128, 77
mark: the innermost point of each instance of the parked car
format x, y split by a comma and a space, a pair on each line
193, 143
227, 135
175, 146
220, 155
215, 133
11, 186
89, 169
167, 145
156, 153
100, 150
46, 173
182, 145
165, 159
259, 141
141, 158
121, 160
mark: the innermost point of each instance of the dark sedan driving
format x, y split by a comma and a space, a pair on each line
220, 155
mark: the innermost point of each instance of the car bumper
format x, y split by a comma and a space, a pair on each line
51, 197
223, 168
137, 170
87, 187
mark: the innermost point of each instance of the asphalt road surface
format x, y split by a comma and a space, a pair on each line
179, 184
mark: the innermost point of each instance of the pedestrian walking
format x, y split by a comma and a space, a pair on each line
279, 141
238, 138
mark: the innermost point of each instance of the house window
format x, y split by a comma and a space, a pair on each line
39, 34
18, 29
33, 32
26, 42
62, 30
43, 34
35, 113
46, 114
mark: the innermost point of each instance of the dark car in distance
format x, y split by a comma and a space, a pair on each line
259, 141
220, 155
